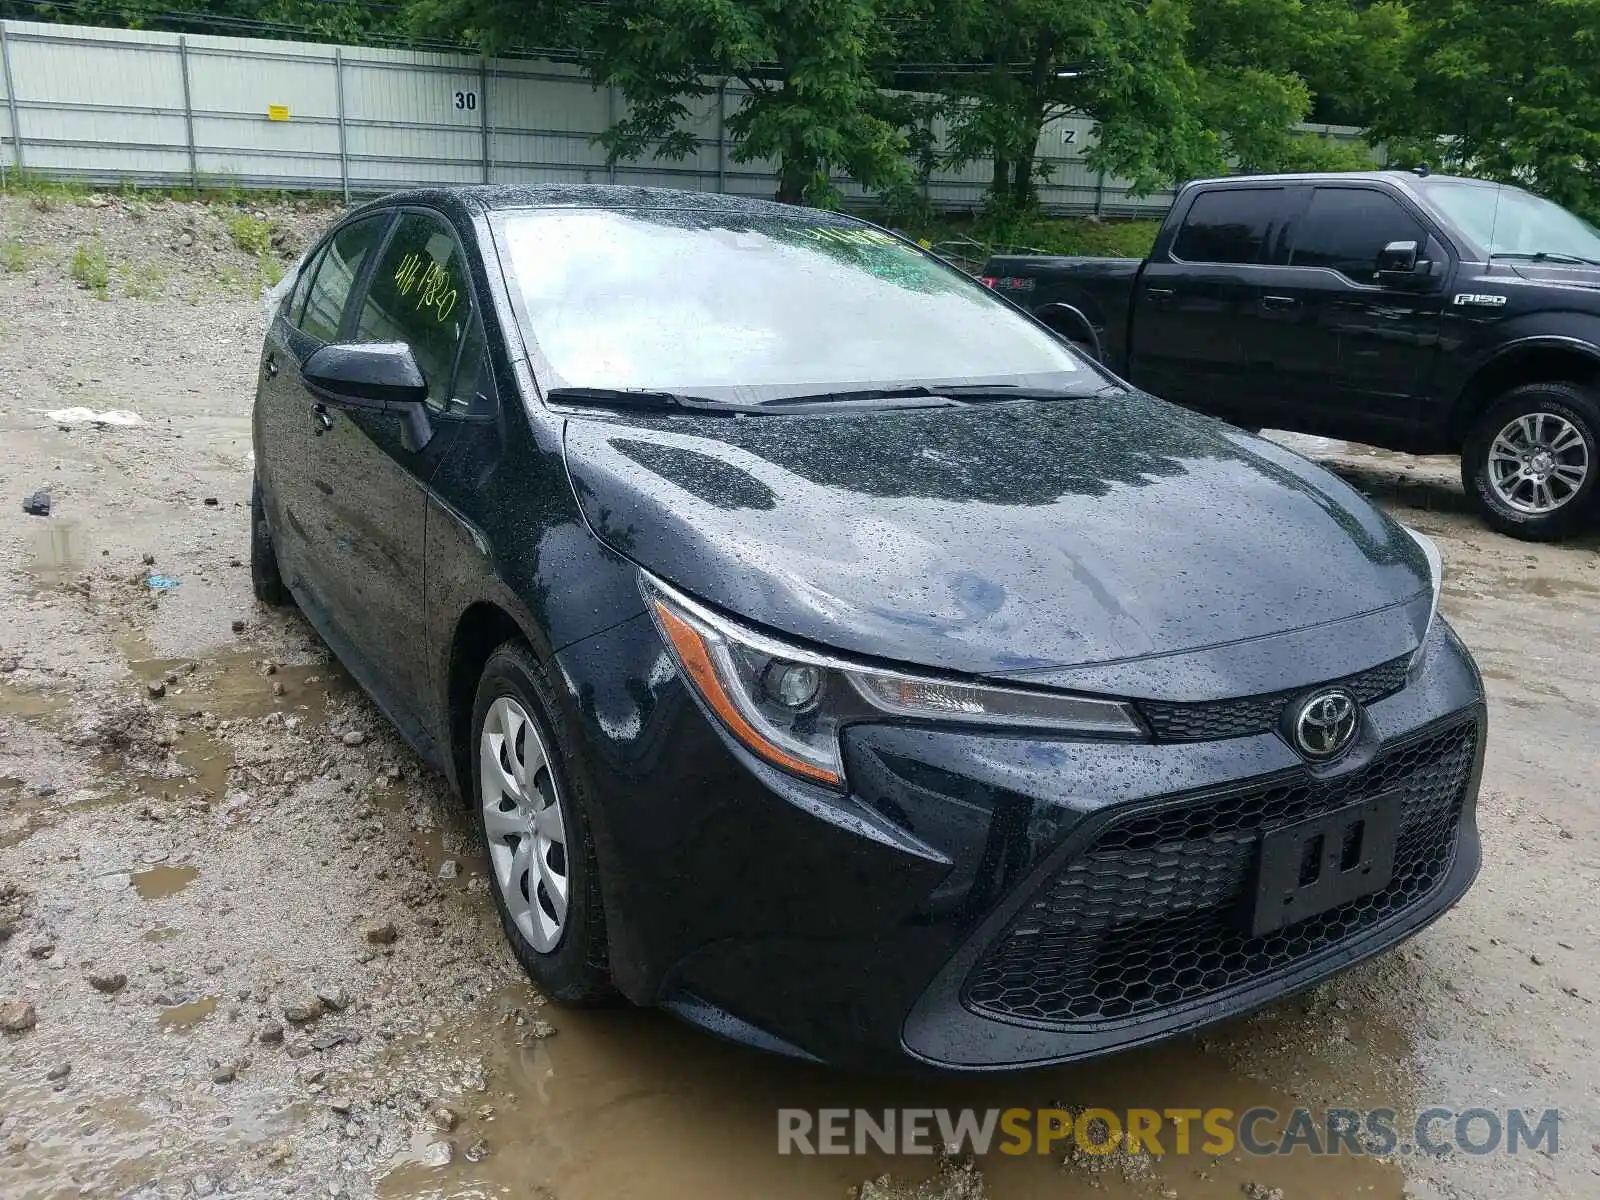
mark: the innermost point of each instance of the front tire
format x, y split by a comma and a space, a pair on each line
1531, 462
533, 818
265, 578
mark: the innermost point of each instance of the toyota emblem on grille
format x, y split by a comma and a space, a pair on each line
1325, 725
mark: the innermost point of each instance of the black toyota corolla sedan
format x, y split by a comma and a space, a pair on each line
833, 657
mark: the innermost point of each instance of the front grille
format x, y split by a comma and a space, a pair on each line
1148, 916
1247, 715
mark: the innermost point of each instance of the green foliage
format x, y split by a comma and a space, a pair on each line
14, 256
1095, 239
145, 282
90, 268
271, 270
44, 193
968, 241
887, 91
1176, 88
312, 20
250, 234
813, 105
1504, 89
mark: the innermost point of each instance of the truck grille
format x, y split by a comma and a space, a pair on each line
1147, 916
1248, 715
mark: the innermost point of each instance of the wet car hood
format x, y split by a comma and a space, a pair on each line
1565, 274
1011, 538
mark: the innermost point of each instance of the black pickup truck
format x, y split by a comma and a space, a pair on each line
1417, 312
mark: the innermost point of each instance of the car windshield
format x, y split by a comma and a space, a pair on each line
1510, 222
759, 307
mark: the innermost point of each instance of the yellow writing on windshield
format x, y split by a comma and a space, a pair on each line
432, 288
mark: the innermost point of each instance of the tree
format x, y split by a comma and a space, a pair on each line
1120, 62
812, 103
1507, 90
1176, 88
303, 19
1265, 65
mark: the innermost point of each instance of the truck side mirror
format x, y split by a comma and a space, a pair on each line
1398, 258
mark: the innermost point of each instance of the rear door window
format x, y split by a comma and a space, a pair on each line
419, 295
336, 274
1229, 225
1344, 228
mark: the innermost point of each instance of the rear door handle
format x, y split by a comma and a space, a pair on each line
1278, 302
322, 419
270, 366
1160, 293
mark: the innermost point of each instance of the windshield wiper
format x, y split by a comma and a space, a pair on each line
641, 399
918, 395
966, 393
1555, 256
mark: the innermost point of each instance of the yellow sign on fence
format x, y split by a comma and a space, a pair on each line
277, 112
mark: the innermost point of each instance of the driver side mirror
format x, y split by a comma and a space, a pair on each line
374, 377
1399, 263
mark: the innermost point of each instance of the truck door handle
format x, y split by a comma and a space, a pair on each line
1278, 302
1156, 293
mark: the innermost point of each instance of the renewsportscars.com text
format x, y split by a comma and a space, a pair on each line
1212, 1131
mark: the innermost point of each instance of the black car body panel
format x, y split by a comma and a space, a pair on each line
1100, 543
964, 554
1403, 363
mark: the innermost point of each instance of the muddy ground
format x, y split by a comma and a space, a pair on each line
253, 938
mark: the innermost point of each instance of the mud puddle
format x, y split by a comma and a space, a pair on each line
189, 1013
158, 883
630, 1103
56, 552
29, 704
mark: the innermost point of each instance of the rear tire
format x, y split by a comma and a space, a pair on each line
264, 576
1530, 463
533, 819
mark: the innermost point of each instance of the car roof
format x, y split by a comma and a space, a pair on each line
1405, 179
503, 196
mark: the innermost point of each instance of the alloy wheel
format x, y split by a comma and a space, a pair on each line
524, 824
1538, 463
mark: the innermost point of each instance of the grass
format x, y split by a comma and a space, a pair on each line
220, 191
250, 234
972, 239
271, 270
147, 282
90, 269
14, 256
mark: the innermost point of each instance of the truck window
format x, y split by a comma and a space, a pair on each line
1230, 225
1344, 228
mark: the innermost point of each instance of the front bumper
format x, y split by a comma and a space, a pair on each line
984, 902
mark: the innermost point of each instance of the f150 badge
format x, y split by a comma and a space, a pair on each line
1481, 299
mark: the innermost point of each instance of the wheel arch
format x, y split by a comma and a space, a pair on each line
1537, 360
482, 627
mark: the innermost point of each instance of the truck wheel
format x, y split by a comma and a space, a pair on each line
1531, 461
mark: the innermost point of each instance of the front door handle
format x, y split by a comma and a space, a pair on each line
1278, 302
322, 419
269, 367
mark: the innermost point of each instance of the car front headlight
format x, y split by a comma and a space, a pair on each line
1436, 573
787, 704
